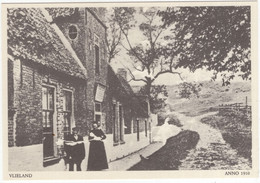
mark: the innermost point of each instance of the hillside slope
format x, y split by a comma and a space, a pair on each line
212, 94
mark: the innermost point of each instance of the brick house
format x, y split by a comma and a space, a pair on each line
46, 88
128, 127
58, 78
122, 120
85, 31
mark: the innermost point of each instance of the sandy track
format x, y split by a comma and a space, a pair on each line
211, 152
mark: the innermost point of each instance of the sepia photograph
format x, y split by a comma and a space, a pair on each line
139, 88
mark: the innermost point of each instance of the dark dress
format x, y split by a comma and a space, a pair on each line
97, 159
75, 154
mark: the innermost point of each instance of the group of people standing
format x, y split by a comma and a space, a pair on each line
75, 149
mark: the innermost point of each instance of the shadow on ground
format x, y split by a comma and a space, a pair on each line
169, 156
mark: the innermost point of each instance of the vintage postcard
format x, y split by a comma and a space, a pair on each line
130, 90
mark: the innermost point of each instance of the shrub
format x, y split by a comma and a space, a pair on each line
173, 119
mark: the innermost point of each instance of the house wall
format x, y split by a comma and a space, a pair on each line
28, 79
11, 110
88, 26
78, 44
27, 101
28, 82
10, 84
92, 28
25, 125
131, 143
141, 124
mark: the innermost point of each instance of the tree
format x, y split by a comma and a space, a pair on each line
158, 95
148, 56
113, 35
215, 38
188, 90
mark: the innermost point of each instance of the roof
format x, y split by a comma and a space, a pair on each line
128, 89
72, 14
32, 37
122, 90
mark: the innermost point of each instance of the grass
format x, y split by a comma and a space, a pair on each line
169, 156
235, 128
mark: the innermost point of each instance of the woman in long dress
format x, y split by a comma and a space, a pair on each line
97, 159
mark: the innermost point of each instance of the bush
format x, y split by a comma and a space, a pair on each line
173, 119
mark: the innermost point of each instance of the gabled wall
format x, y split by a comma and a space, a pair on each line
88, 25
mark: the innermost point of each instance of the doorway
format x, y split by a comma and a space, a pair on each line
47, 122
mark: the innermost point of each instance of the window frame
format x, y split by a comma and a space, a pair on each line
121, 125
54, 121
114, 121
98, 113
67, 129
97, 54
118, 123
73, 33
47, 109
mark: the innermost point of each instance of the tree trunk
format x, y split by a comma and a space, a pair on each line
148, 88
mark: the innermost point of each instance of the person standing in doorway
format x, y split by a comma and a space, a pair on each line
97, 159
76, 149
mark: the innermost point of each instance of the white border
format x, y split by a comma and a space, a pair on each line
254, 180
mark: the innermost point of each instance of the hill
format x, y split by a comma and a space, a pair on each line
212, 94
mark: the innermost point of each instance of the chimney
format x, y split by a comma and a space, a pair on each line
122, 72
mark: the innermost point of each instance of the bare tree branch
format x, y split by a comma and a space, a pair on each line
141, 70
158, 35
131, 47
167, 71
133, 77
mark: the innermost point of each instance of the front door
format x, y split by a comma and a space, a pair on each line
47, 117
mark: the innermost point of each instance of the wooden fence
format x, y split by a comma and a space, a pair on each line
247, 109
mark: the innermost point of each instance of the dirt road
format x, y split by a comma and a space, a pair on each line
211, 152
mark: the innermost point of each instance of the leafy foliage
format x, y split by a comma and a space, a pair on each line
188, 90
215, 38
158, 96
114, 35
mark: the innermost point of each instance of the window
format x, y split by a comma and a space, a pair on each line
114, 123
73, 32
21, 74
47, 120
145, 127
121, 124
67, 111
98, 112
138, 129
97, 59
47, 105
